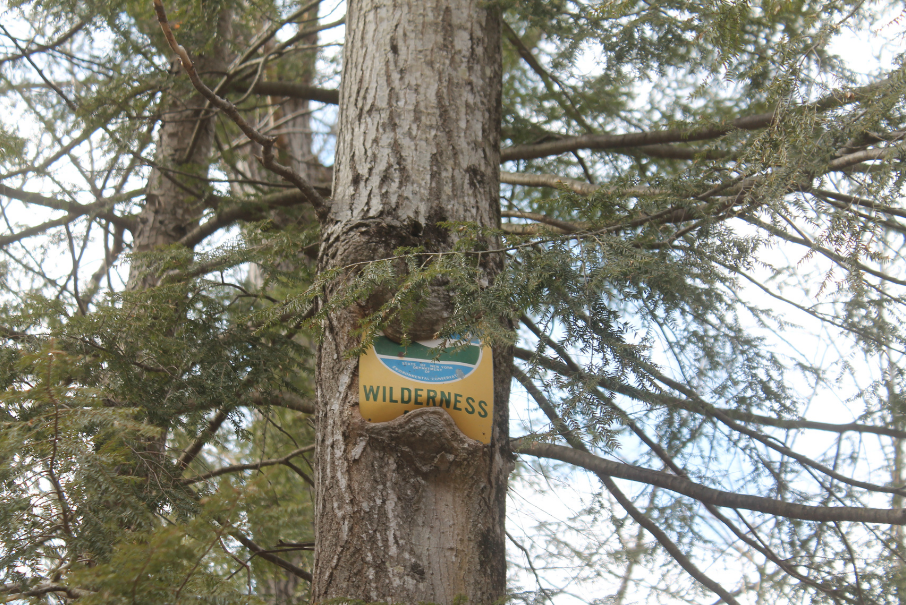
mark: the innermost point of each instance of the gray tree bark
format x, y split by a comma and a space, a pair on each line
410, 510
173, 203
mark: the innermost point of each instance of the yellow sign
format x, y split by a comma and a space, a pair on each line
394, 380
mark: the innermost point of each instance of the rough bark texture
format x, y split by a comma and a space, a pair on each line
410, 510
172, 202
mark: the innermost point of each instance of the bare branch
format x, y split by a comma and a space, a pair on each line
600, 466
293, 90
270, 557
191, 452
236, 468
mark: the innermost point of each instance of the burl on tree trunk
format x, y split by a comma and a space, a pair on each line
410, 510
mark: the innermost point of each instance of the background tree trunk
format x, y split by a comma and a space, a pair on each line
410, 510
174, 200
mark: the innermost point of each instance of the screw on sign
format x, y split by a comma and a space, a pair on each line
394, 380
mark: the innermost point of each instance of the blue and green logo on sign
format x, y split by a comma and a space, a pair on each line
417, 362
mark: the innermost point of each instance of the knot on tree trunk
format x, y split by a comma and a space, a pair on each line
424, 311
435, 307
429, 435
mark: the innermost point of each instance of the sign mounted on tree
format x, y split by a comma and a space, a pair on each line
394, 380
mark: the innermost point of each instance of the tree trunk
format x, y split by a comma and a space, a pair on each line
410, 510
174, 199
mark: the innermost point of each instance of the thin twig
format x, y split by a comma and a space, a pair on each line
253, 466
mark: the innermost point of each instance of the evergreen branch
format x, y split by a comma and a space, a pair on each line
252, 466
681, 214
9, 333
563, 226
858, 157
65, 512
270, 557
522, 229
110, 257
136, 363
267, 143
714, 210
73, 208
757, 542
600, 466
843, 262
569, 107
12, 238
852, 560
241, 62
65, 149
273, 31
859, 428
244, 210
769, 442
548, 180
283, 399
859, 201
286, 399
49, 46
891, 224
581, 187
305, 33
19, 590
577, 447
672, 152
74, 107
660, 137
635, 139
665, 541
190, 453
742, 416
659, 451
301, 473
695, 401
528, 559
